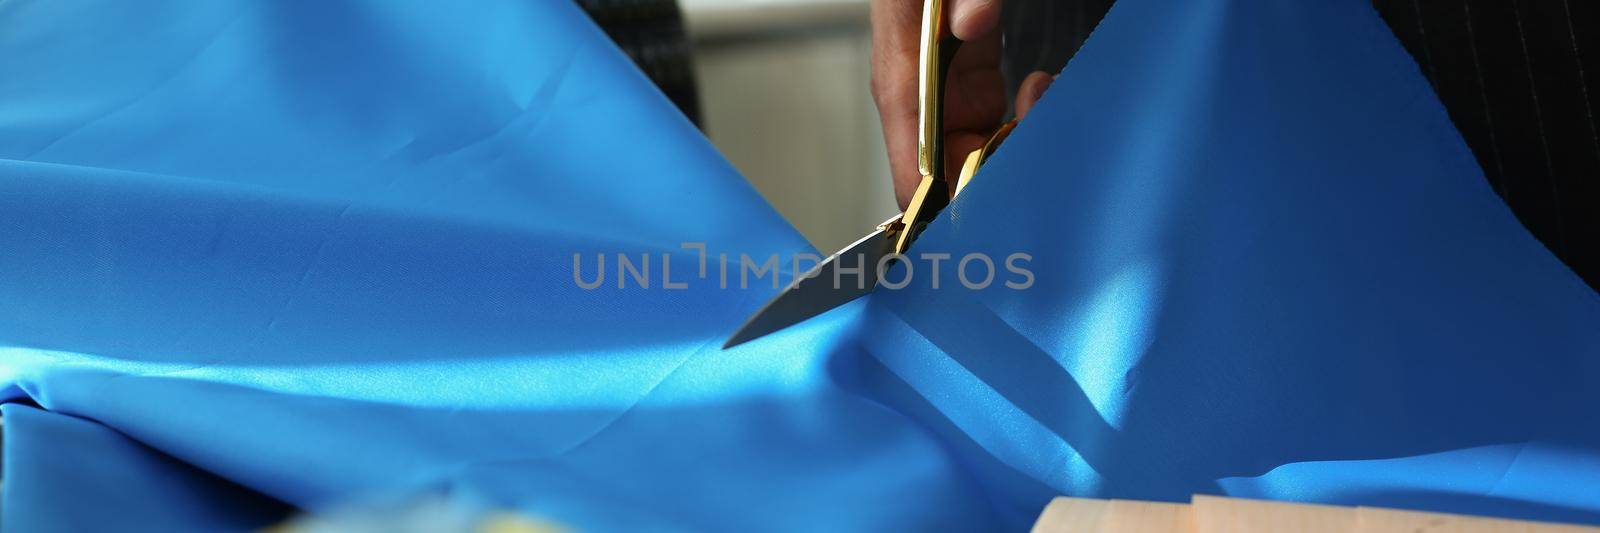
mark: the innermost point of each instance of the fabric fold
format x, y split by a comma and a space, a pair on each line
326, 252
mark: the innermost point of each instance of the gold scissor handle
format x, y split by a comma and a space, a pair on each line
938, 50
980, 156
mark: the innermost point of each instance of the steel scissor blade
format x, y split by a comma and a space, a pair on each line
820, 289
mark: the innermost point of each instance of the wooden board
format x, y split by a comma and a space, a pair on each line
1212, 514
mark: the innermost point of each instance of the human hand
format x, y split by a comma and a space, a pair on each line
974, 92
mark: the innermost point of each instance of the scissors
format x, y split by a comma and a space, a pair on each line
831, 283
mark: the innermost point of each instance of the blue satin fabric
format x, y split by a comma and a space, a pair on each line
1267, 266
259, 254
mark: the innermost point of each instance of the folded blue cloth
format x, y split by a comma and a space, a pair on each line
268, 255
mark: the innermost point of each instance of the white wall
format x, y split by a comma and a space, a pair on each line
784, 87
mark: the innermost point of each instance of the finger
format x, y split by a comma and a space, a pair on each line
900, 140
1033, 87
979, 54
974, 19
896, 26
975, 95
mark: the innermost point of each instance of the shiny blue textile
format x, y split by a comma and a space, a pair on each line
68, 474
309, 253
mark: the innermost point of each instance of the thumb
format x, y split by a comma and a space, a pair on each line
974, 19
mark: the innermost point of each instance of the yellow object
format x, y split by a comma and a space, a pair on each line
934, 192
514, 523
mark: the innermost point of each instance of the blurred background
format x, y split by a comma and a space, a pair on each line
785, 96
781, 87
